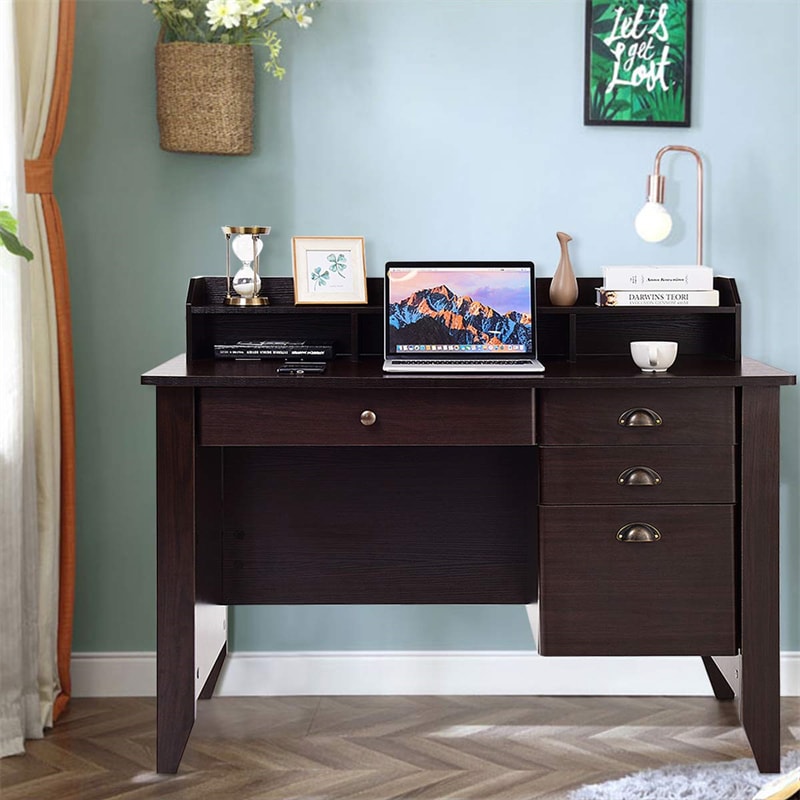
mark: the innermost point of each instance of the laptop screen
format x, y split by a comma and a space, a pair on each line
447, 309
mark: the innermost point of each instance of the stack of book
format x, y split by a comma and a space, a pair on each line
275, 348
657, 286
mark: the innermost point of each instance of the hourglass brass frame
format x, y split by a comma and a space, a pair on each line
232, 299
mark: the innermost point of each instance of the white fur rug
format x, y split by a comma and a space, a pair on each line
732, 780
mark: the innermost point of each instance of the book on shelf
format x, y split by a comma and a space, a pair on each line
637, 278
621, 297
291, 348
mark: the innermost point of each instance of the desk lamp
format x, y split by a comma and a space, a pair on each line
653, 223
246, 283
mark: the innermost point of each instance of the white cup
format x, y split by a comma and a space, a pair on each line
654, 356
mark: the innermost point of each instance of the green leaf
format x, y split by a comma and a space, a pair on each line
13, 245
603, 26
601, 49
8, 222
599, 10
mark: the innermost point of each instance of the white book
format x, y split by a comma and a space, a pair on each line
639, 278
621, 297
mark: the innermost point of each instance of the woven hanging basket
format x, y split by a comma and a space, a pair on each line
205, 97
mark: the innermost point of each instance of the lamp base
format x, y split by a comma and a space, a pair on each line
246, 301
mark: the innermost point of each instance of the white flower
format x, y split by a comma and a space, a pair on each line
301, 17
223, 12
251, 7
236, 22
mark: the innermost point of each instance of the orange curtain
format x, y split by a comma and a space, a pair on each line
39, 180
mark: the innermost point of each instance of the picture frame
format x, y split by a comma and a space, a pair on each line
329, 270
638, 63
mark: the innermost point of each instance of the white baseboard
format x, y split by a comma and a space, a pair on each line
113, 674
416, 673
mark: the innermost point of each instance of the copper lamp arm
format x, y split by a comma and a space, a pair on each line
655, 188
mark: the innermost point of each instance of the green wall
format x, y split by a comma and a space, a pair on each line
437, 129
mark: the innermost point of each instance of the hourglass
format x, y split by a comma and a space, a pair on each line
244, 288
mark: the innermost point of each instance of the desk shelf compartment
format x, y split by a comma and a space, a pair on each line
354, 329
563, 333
588, 330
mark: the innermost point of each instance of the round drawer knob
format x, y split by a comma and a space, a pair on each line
368, 417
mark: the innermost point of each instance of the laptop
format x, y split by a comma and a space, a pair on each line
460, 316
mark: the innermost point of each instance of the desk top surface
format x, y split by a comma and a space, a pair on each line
586, 373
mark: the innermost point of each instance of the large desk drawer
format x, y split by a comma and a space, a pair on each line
604, 589
636, 416
392, 416
637, 474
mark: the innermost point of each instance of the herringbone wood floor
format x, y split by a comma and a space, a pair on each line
376, 748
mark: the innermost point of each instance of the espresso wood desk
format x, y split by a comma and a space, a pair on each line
641, 510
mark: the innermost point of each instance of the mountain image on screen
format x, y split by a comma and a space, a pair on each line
439, 316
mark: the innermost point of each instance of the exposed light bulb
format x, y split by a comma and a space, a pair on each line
653, 223
243, 247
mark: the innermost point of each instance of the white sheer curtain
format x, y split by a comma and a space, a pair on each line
21, 712
37, 45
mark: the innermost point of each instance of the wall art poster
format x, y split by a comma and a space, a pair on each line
638, 62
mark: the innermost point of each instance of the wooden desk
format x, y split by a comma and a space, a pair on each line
271, 490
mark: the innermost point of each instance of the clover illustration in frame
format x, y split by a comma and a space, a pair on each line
329, 269
638, 63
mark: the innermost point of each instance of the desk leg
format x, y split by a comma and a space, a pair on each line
175, 574
207, 692
760, 644
210, 618
723, 683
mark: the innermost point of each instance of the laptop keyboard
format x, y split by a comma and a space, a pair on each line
465, 362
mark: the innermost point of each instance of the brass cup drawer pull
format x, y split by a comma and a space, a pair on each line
638, 532
639, 418
639, 476
368, 417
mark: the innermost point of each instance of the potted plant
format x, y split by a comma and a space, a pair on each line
204, 68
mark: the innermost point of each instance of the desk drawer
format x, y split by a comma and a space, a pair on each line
334, 417
636, 416
600, 595
639, 474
